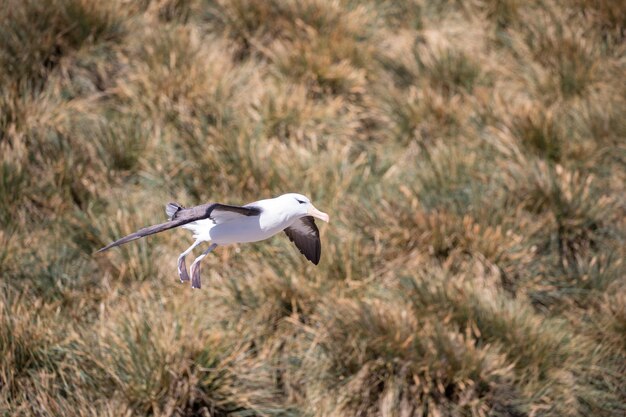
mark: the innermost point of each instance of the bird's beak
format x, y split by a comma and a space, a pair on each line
316, 213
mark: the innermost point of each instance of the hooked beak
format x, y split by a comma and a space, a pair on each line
316, 213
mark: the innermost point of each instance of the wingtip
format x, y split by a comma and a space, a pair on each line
106, 248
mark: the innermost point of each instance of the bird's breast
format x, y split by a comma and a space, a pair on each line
247, 229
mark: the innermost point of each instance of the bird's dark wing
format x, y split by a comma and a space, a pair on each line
216, 212
179, 216
306, 236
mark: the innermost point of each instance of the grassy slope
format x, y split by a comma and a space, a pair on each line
471, 154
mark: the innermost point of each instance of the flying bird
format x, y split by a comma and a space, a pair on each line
223, 224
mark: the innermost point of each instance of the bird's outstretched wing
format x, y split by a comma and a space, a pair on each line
179, 216
306, 236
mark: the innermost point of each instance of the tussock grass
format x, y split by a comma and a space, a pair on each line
197, 374
471, 155
567, 54
35, 38
394, 356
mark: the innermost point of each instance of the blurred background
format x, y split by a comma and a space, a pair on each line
471, 155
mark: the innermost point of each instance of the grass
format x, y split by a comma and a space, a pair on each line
471, 155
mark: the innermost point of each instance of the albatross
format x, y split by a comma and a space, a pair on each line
223, 224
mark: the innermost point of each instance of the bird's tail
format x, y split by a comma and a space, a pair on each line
171, 209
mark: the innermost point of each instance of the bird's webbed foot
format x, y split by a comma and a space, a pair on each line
195, 275
182, 269
195, 267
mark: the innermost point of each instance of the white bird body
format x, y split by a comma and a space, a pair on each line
233, 228
223, 224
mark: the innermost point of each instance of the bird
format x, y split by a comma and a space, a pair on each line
224, 224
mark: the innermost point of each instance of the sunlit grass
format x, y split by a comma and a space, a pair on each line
470, 154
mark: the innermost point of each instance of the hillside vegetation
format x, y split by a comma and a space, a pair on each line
471, 155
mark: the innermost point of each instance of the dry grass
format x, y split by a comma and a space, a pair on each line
472, 156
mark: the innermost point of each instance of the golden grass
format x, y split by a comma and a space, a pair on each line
471, 154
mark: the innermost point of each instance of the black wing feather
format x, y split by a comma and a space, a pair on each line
182, 216
306, 236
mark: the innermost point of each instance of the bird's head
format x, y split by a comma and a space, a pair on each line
301, 206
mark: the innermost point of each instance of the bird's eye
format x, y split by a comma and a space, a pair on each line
300, 201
